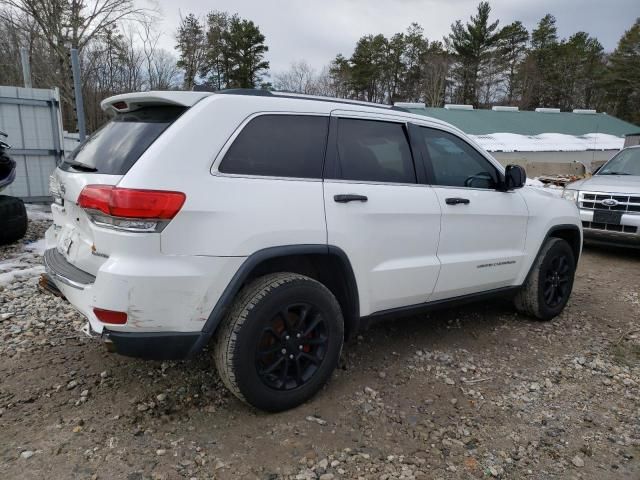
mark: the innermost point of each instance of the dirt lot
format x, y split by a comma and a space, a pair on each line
469, 393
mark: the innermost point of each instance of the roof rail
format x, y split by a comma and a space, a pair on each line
547, 110
453, 106
297, 96
582, 111
500, 108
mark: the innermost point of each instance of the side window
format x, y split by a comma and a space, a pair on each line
279, 146
455, 163
370, 150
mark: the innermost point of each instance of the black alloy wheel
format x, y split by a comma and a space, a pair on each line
557, 279
280, 341
292, 347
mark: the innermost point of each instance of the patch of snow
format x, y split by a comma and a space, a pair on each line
8, 277
13, 264
534, 182
24, 265
39, 212
548, 142
39, 246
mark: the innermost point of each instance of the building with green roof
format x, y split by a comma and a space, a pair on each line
537, 139
484, 122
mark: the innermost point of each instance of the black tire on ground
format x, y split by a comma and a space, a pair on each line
548, 287
280, 341
13, 219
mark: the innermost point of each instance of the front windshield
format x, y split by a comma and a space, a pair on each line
627, 162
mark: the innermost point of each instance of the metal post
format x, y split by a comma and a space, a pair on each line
77, 88
26, 67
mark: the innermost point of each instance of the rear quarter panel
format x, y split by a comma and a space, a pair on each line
227, 215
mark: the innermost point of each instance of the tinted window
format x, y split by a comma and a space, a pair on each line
373, 151
279, 146
453, 162
116, 147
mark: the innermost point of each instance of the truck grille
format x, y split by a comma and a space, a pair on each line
623, 202
609, 227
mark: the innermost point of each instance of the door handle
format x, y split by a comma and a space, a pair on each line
456, 201
349, 197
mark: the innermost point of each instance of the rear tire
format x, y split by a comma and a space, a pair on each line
547, 289
13, 219
280, 341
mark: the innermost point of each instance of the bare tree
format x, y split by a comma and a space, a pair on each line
164, 73
161, 70
434, 74
300, 78
72, 23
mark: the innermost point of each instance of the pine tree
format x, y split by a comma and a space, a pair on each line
190, 38
244, 50
215, 66
544, 54
368, 68
580, 66
416, 47
623, 78
512, 47
340, 76
472, 44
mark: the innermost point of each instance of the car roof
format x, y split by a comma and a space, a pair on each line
137, 100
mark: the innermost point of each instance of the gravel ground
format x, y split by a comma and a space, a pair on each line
468, 393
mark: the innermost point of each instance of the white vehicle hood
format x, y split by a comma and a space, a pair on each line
609, 184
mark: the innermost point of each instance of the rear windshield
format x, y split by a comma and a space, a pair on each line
115, 148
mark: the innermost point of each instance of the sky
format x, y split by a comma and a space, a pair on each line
316, 31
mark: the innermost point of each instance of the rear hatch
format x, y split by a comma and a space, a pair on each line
92, 217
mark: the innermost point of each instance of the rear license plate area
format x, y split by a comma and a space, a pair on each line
607, 216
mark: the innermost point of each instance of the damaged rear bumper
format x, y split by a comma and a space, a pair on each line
152, 345
144, 345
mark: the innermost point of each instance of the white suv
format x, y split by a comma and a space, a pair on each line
274, 226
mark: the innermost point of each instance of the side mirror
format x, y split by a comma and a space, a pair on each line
514, 177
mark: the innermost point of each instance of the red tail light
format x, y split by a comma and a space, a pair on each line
110, 316
131, 203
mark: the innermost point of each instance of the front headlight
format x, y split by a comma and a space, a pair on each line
571, 195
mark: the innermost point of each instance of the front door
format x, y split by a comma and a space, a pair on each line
483, 229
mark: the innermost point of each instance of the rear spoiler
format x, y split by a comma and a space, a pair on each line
128, 102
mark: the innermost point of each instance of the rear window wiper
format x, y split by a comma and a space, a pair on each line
80, 166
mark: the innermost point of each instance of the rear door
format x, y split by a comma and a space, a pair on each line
483, 229
387, 223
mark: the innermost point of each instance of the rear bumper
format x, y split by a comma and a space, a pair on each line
59, 269
147, 345
152, 346
166, 297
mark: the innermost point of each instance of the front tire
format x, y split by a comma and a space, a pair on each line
280, 341
546, 291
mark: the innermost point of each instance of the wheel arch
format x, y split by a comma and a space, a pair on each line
325, 263
569, 232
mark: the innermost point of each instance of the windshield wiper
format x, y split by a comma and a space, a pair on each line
80, 166
615, 173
